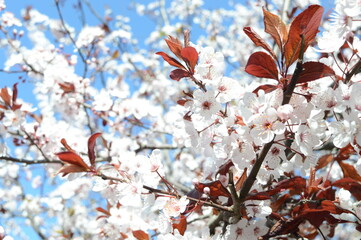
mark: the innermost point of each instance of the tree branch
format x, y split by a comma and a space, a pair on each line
286, 99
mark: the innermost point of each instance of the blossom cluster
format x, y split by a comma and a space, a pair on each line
215, 135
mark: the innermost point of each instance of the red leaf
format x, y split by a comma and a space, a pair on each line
275, 27
91, 145
190, 56
15, 106
351, 185
279, 202
66, 145
223, 169
15, 92
4, 94
180, 224
306, 23
102, 210
71, 168
267, 88
345, 153
241, 180
324, 161
216, 189
67, 87
258, 41
72, 158
349, 171
260, 64
313, 71
296, 183
316, 215
172, 61
140, 235
178, 74
175, 46
258, 196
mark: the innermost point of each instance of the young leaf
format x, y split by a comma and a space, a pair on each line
66, 145
274, 26
266, 88
349, 171
323, 161
174, 45
172, 61
306, 23
73, 159
140, 235
258, 41
67, 87
260, 64
4, 94
15, 92
345, 153
71, 168
216, 189
190, 56
180, 224
351, 185
313, 71
178, 74
241, 180
91, 145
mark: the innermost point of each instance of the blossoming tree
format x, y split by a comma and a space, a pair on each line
251, 131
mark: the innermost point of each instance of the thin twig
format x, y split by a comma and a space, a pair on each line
68, 32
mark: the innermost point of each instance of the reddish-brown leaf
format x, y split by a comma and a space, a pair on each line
172, 61
15, 106
216, 189
331, 207
223, 169
267, 88
324, 161
180, 224
258, 196
72, 158
71, 168
316, 216
4, 94
345, 153
178, 74
175, 46
306, 24
67, 87
241, 180
313, 71
15, 92
349, 171
327, 191
140, 235
258, 41
102, 210
190, 56
66, 145
260, 64
351, 185
296, 184
274, 26
313, 184
91, 145
279, 202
